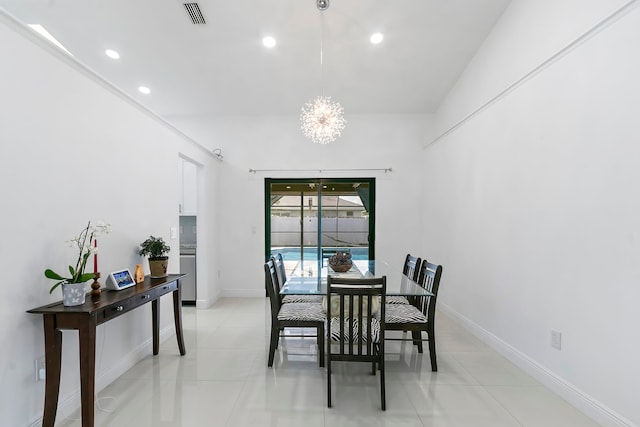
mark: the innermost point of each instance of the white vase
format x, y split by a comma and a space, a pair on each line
73, 293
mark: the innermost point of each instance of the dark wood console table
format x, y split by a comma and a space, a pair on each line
84, 318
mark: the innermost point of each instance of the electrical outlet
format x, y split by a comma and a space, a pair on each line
39, 368
556, 340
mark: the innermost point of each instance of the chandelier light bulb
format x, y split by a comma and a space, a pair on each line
322, 120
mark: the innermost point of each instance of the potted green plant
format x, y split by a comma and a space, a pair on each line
73, 286
156, 250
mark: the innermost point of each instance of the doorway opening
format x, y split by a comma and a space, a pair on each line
188, 230
308, 220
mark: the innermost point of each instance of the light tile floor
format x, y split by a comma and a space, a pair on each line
224, 381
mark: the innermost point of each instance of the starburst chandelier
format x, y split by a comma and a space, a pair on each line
322, 120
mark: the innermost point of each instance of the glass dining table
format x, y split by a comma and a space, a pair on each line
313, 281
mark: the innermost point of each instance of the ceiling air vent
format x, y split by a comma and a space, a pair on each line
194, 13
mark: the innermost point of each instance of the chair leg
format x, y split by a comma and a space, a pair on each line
432, 351
329, 380
417, 340
414, 337
383, 397
321, 355
275, 335
376, 350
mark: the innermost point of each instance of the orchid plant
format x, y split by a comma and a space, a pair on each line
85, 244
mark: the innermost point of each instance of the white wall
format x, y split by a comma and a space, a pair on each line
532, 204
277, 143
73, 151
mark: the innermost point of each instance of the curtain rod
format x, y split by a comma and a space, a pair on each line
385, 170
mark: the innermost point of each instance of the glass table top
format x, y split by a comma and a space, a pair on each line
307, 281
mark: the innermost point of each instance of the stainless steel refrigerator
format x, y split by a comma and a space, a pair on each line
188, 255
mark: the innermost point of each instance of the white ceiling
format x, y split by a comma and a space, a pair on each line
197, 72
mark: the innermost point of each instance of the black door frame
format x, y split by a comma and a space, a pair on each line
319, 183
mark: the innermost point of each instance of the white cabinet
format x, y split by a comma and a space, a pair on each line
189, 188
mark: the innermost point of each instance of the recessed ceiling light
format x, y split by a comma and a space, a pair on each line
47, 35
269, 41
112, 54
376, 38
144, 89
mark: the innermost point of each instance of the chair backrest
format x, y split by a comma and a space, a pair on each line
328, 253
411, 267
429, 278
278, 262
273, 287
356, 333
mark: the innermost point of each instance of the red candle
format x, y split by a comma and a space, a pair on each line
95, 257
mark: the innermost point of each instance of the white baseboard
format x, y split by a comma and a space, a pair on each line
228, 293
243, 293
70, 403
591, 407
207, 303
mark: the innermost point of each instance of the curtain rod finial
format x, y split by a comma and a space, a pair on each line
217, 153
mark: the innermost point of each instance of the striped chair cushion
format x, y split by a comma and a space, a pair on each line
288, 299
397, 300
335, 329
303, 311
403, 313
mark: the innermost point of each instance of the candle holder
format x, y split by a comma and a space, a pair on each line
139, 274
95, 286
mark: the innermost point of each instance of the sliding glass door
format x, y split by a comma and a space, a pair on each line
307, 220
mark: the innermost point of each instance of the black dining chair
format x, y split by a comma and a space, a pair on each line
328, 253
281, 272
292, 315
409, 269
282, 278
356, 327
419, 316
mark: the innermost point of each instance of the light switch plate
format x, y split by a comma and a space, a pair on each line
556, 340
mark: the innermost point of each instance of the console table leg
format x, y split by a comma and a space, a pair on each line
53, 358
177, 317
87, 341
155, 320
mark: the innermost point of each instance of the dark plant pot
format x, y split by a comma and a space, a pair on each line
158, 267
